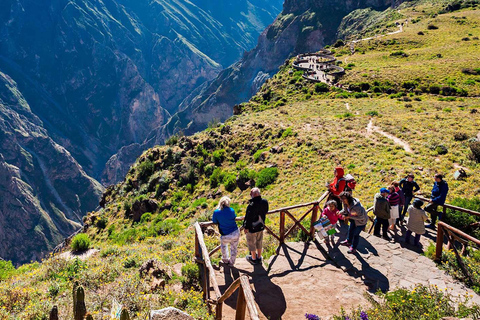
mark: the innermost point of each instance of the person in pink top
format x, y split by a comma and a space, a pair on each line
332, 213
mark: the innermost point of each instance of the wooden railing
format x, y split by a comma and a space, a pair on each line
448, 206
207, 278
454, 235
245, 297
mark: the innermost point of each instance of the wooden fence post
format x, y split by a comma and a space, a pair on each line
282, 227
439, 248
444, 214
314, 219
241, 305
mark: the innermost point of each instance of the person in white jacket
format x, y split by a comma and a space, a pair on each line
416, 222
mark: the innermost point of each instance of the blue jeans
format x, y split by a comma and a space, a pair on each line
408, 200
354, 233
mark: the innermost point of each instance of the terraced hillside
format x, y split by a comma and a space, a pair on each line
287, 138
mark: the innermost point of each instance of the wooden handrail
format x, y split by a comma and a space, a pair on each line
249, 298
459, 232
206, 259
210, 223
448, 206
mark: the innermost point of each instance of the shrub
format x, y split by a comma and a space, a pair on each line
460, 136
80, 242
146, 217
475, 149
398, 54
130, 262
266, 177
145, 169
464, 221
434, 89
230, 181
167, 226
190, 276
217, 177
359, 95
339, 43
173, 140
409, 85
101, 222
218, 156
288, 133
344, 115
372, 113
423, 302
6, 269
449, 91
441, 149
432, 27
321, 87
258, 154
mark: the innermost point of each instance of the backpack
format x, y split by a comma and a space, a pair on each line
350, 183
258, 225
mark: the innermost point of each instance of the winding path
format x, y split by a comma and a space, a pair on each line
371, 129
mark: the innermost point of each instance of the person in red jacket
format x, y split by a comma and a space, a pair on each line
337, 187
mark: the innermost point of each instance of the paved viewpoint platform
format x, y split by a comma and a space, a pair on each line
301, 280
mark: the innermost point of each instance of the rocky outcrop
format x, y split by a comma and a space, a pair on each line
44, 192
303, 26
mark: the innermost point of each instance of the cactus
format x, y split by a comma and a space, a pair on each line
79, 309
124, 315
54, 313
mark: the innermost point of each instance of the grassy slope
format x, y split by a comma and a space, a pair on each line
323, 137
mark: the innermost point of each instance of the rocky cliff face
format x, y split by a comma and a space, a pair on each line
98, 76
44, 192
303, 26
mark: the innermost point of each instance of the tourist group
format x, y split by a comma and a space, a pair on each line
394, 205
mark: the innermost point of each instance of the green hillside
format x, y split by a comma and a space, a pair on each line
288, 138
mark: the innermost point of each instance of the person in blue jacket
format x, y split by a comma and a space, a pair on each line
439, 195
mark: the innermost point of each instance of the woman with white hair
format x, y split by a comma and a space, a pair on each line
224, 217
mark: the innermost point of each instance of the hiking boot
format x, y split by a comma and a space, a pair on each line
345, 243
377, 235
351, 250
251, 260
387, 238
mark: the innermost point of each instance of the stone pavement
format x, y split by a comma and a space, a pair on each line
301, 280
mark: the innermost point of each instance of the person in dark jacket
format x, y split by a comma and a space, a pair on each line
439, 195
254, 225
409, 187
381, 209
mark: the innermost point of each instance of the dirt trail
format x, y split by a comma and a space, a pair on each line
371, 129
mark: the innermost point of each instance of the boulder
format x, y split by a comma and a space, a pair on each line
169, 314
141, 207
276, 149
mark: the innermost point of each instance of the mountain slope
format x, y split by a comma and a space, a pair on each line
101, 75
303, 26
41, 201
299, 134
